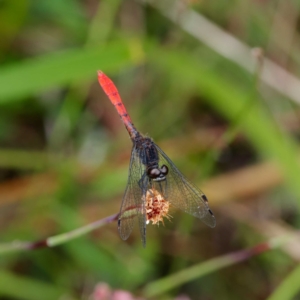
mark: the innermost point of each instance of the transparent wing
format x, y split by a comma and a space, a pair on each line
183, 195
132, 204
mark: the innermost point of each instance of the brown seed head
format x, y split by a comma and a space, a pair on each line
156, 207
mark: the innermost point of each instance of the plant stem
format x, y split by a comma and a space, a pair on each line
56, 240
160, 286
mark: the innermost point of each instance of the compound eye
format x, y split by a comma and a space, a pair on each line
153, 173
164, 170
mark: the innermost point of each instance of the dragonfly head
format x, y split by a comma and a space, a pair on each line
158, 174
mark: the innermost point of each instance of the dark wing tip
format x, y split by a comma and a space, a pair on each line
209, 219
124, 229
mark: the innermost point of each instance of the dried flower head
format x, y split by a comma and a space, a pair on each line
156, 207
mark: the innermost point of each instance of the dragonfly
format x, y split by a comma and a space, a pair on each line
154, 183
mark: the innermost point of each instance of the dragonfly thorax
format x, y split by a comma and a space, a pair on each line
158, 174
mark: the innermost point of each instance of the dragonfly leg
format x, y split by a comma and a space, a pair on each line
143, 182
163, 187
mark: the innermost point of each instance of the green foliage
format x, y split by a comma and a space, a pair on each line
25, 288
64, 154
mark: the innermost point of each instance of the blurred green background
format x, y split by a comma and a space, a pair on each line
214, 83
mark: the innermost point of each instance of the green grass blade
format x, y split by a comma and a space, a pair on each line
34, 75
18, 287
160, 286
289, 287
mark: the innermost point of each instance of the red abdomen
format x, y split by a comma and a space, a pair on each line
113, 95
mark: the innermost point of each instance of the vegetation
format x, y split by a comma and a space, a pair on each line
214, 83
